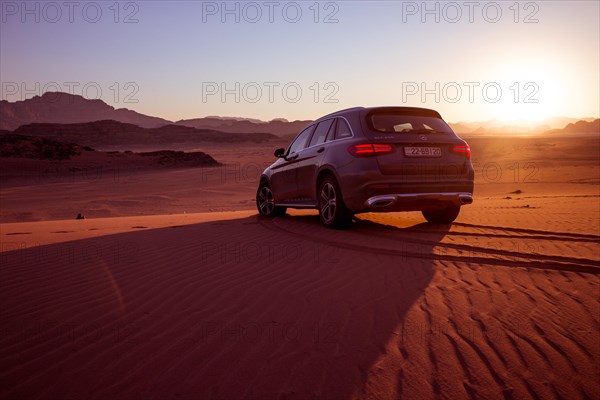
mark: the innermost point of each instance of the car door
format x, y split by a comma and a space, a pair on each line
284, 175
309, 160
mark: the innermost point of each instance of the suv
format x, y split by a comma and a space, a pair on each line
376, 159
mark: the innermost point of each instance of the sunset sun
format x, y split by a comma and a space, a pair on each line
530, 92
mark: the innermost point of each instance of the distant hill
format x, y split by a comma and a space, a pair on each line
65, 108
258, 121
279, 127
494, 127
103, 133
579, 127
460, 128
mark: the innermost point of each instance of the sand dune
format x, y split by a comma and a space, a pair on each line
143, 301
230, 305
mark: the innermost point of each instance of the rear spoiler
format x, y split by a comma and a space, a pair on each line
425, 112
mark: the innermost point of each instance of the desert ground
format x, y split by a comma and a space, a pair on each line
174, 288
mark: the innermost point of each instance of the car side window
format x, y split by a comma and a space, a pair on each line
321, 132
301, 140
342, 130
331, 133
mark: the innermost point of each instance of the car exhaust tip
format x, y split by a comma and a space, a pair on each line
381, 201
410, 201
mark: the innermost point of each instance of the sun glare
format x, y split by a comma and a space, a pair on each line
530, 92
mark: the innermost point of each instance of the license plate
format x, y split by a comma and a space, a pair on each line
422, 152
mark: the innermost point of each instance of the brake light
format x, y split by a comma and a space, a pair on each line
462, 149
370, 149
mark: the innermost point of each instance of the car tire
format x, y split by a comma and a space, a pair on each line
332, 210
265, 201
443, 216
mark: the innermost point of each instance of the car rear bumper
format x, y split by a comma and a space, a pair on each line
394, 195
417, 201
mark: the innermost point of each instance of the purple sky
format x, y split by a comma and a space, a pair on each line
299, 60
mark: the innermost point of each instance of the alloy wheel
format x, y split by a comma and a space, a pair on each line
266, 204
328, 202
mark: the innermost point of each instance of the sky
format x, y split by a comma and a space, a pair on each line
471, 61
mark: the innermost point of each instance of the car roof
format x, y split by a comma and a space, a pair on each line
366, 110
341, 112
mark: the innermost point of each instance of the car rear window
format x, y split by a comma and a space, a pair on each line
400, 123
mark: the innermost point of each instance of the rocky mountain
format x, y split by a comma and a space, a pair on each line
579, 127
279, 127
496, 127
65, 108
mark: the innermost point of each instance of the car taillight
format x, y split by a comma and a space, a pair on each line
462, 149
370, 149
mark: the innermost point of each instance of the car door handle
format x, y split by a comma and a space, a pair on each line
321, 150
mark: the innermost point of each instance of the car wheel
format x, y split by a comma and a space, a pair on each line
266, 203
332, 210
443, 216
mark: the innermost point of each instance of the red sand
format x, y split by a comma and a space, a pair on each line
227, 305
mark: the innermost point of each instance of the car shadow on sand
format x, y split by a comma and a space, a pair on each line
247, 308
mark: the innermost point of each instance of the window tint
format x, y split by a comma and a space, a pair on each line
321, 132
301, 140
400, 123
343, 130
331, 133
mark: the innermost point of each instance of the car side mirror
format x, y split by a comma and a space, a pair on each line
279, 153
